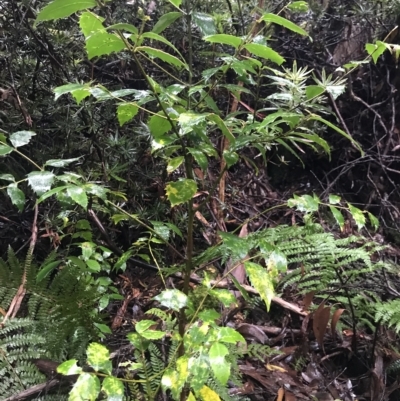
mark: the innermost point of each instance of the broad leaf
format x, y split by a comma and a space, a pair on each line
358, 216
174, 163
229, 335
338, 216
126, 112
168, 58
313, 91
205, 23
7, 177
159, 125
334, 199
261, 281
114, 388
86, 388
124, 27
374, 221
207, 394
63, 8
98, 357
181, 191
224, 39
221, 125
5, 149
375, 51
78, 195
172, 299
69, 368
304, 203
41, 181
200, 157
165, 21
60, 162
21, 138
230, 157
264, 52
176, 3
283, 22
103, 43
17, 196
68, 88
219, 365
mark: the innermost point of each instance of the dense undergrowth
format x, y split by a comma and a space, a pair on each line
150, 114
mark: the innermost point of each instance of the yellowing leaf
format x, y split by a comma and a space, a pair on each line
275, 368
206, 394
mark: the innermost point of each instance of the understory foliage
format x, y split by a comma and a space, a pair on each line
181, 123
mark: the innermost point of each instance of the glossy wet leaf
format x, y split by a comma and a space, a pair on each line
17, 196
41, 181
261, 281
21, 138
172, 299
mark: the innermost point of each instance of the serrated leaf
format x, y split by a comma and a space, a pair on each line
69, 368
126, 112
114, 388
158, 125
172, 299
205, 23
219, 365
304, 203
181, 191
224, 39
209, 315
63, 8
221, 125
200, 157
17, 196
276, 19
264, 51
358, 216
174, 163
338, 216
375, 50
103, 43
230, 157
60, 162
41, 181
86, 388
78, 195
98, 357
165, 21
166, 57
21, 138
261, 281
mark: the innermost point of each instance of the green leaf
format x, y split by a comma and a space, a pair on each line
17, 196
283, 22
209, 315
334, 199
224, 296
126, 112
78, 195
229, 335
176, 3
60, 162
69, 368
219, 365
158, 125
181, 191
337, 129
338, 216
5, 149
93, 265
224, 39
313, 91
168, 58
230, 157
375, 51
46, 270
200, 157
143, 329
264, 51
90, 22
7, 177
98, 357
103, 43
174, 163
358, 216
155, 36
374, 221
261, 281
172, 299
113, 388
205, 23
298, 6
165, 21
63, 8
21, 138
221, 125
68, 88
304, 203
86, 388
41, 181
124, 27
